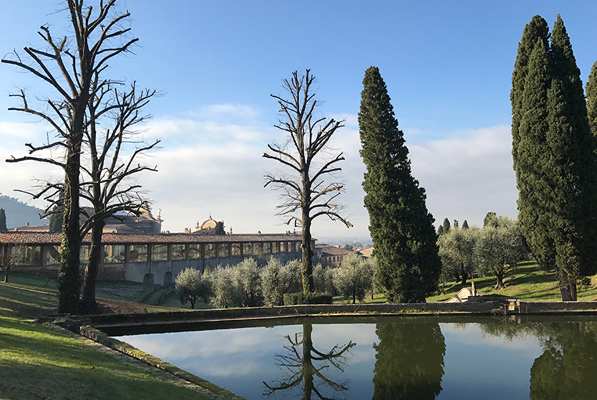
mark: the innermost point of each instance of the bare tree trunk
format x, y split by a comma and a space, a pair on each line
307, 270
88, 302
308, 368
499, 284
68, 274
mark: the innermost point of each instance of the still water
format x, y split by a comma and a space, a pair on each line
392, 358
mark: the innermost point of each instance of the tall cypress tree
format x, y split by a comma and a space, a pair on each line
3, 227
401, 227
573, 167
554, 157
536, 29
591, 93
531, 171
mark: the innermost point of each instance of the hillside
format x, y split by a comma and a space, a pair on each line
19, 213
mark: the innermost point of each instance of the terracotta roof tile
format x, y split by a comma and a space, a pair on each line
38, 238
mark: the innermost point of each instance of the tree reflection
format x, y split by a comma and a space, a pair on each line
304, 367
568, 366
410, 361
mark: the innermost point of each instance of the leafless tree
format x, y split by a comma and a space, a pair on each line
306, 196
107, 171
75, 75
302, 368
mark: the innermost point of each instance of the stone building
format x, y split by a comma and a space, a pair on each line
150, 258
331, 256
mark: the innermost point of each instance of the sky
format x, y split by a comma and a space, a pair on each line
447, 66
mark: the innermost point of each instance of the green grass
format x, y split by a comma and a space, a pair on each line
37, 362
527, 283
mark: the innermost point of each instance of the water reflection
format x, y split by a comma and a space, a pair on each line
308, 364
410, 361
442, 358
568, 366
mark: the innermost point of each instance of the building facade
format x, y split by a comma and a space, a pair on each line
150, 258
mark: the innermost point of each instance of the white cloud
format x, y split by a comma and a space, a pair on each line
210, 162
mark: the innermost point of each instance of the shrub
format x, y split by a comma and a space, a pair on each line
225, 292
192, 285
248, 283
354, 277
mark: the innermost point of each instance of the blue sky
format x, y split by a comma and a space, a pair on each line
447, 65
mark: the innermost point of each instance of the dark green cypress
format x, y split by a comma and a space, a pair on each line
446, 225
465, 224
3, 227
400, 225
554, 158
572, 166
532, 172
591, 93
536, 29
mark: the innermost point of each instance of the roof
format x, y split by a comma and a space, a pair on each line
332, 250
365, 252
39, 238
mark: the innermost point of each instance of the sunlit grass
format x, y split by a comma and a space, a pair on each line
37, 362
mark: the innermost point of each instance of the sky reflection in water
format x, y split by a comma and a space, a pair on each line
397, 358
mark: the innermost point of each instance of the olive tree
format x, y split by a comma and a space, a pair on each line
354, 277
457, 253
278, 279
500, 248
192, 285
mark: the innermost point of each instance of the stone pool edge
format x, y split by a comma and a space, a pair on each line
100, 337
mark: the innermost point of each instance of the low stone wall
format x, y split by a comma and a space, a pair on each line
107, 320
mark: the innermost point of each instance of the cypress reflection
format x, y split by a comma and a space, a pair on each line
410, 361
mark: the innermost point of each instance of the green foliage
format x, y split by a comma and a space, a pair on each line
354, 277
400, 225
490, 219
192, 285
591, 93
446, 225
323, 279
499, 249
248, 281
409, 361
293, 299
225, 290
219, 229
440, 230
554, 155
3, 227
457, 253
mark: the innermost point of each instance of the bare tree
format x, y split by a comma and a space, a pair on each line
98, 36
107, 172
306, 196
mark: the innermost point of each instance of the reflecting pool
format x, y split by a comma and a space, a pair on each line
539, 358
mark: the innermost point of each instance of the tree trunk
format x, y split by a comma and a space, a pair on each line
68, 273
88, 303
464, 277
307, 270
308, 368
499, 283
567, 286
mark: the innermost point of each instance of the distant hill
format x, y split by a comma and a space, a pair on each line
19, 213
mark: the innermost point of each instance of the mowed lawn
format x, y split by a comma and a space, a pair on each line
527, 283
38, 362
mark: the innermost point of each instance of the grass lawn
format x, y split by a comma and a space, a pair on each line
527, 283
37, 362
